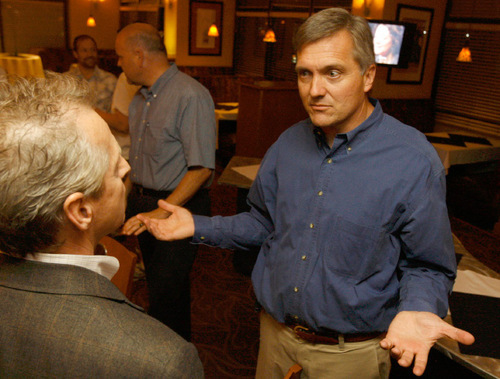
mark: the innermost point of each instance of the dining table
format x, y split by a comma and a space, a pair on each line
456, 148
24, 65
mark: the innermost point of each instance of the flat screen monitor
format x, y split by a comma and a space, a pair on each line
392, 42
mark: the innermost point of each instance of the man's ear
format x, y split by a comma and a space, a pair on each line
139, 54
78, 211
369, 77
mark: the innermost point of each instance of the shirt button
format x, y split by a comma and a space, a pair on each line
304, 257
148, 103
154, 96
320, 193
136, 157
143, 121
349, 148
296, 289
311, 225
202, 238
140, 139
329, 160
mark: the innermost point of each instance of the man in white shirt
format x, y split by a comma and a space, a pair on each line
118, 118
61, 190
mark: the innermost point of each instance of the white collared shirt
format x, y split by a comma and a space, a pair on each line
101, 264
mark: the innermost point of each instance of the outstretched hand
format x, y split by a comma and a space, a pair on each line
412, 334
179, 225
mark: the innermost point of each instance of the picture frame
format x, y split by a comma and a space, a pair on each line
422, 17
202, 14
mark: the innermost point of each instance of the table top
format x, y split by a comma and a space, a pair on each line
464, 148
228, 111
22, 64
485, 366
233, 178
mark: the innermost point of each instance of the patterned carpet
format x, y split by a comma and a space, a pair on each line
224, 322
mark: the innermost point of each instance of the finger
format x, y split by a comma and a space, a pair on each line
396, 353
129, 226
459, 335
386, 344
139, 229
420, 363
406, 358
166, 206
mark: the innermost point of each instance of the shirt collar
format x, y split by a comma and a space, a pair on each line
372, 120
101, 264
160, 82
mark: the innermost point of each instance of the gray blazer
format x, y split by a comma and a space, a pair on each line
66, 321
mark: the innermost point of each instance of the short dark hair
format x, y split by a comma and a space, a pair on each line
80, 38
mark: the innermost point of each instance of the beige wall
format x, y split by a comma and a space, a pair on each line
383, 90
107, 17
184, 59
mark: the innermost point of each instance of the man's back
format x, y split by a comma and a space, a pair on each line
67, 321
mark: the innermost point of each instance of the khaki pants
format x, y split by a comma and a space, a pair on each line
280, 349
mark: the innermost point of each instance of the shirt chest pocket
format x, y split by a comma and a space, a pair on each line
155, 140
351, 250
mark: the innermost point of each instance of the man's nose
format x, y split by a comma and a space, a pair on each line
317, 86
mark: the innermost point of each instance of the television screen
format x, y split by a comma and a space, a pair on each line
392, 42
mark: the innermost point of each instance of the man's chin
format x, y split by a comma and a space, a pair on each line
89, 64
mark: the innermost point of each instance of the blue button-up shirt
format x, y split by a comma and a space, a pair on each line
349, 235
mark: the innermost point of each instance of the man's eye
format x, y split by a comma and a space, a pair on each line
333, 74
303, 74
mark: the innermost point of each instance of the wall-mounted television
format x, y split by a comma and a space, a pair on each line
392, 42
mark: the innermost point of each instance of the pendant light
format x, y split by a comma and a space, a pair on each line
91, 21
465, 54
270, 36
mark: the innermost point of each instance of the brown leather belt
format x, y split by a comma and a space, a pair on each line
329, 337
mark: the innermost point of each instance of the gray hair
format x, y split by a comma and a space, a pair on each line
327, 22
44, 158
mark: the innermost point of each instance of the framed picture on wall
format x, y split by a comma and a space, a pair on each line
202, 15
422, 17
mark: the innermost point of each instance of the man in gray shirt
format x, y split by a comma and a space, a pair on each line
172, 155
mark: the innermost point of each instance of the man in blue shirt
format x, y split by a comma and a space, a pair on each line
349, 209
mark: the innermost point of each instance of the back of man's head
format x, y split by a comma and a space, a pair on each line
44, 157
145, 36
328, 22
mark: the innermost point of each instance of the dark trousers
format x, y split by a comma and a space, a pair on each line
168, 264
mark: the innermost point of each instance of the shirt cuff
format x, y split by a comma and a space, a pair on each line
202, 228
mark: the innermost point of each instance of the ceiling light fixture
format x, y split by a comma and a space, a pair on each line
465, 54
270, 36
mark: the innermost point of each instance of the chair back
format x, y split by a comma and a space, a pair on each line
294, 372
124, 278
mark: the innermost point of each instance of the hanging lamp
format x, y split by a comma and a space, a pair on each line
270, 36
465, 55
91, 21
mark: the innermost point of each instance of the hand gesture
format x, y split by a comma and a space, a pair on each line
179, 225
135, 226
412, 334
